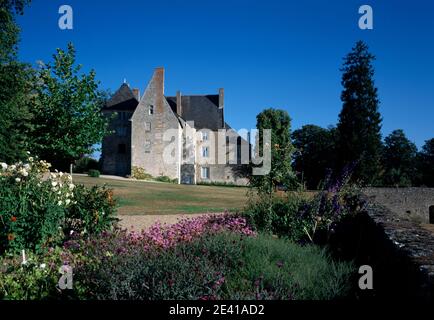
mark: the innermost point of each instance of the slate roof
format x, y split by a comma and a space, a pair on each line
122, 100
203, 110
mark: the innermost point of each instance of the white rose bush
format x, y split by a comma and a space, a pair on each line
39, 209
33, 204
40, 212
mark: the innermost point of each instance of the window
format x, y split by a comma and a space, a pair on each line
205, 173
122, 148
205, 152
205, 135
147, 126
147, 146
151, 110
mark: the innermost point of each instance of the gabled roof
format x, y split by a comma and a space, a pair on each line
123, 100
203, 110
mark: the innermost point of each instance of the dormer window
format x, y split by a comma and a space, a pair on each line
151, 110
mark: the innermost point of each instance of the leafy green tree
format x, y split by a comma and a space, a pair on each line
426, 163
399, 160
68, 119
15, 87
315, 153
15, 115
281, 151
263, 187
9, 30
359, 136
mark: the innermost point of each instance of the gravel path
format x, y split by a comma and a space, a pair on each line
143, 222
106, 176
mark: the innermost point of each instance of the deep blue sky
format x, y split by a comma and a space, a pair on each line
281, 54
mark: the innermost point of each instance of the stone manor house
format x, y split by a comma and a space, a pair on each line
179, 137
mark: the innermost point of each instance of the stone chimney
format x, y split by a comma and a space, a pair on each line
221, 98
159, 88
136, 93
178, 103
222, 105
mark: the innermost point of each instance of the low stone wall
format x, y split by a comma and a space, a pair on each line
409, 204
401, 253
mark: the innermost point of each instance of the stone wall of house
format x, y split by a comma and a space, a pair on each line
116, 147
222, 174
223, 167
149, 128
409, 204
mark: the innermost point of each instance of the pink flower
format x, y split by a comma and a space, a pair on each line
166, 236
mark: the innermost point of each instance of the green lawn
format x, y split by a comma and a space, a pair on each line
150, 198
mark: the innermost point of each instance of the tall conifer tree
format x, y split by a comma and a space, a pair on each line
359, 137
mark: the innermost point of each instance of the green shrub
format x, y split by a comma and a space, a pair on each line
37, 279
166, 179
33, 204
92, 212
140, 174
281, 218
279, 269
303, 218
94, 173
85, 164
37, 207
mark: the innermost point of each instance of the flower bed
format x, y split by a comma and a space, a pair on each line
188, 229
209, 257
